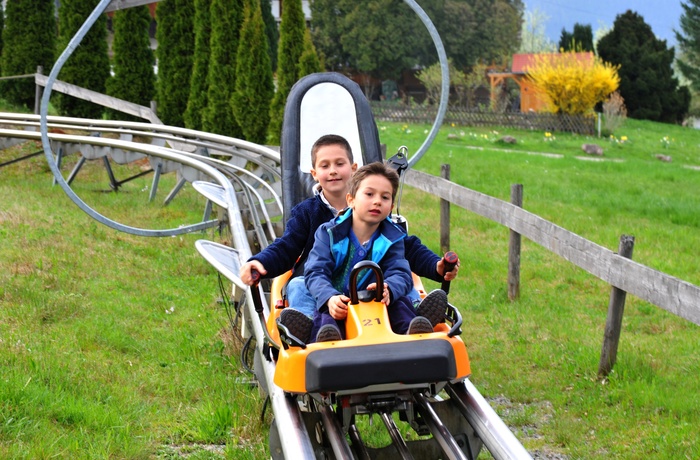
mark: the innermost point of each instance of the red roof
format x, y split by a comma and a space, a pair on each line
522, 61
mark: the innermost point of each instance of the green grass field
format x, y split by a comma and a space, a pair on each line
114, 346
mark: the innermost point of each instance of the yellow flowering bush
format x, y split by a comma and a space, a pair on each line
573, 82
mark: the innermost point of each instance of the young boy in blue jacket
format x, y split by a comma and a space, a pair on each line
362, 232
332, 167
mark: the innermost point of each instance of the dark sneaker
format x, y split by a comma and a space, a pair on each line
328, 333
298, 324
434, 307
419, 325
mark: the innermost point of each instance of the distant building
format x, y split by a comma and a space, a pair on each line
529, 99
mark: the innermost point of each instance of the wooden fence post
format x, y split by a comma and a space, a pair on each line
38, 91
445, 214
613, 323
516, 198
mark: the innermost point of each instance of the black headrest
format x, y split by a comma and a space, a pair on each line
320, 104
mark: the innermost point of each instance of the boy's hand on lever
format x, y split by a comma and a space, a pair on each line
385, 295
452, 265
248, 269
338, 306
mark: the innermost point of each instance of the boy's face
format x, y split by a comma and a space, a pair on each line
333, 169
373, 201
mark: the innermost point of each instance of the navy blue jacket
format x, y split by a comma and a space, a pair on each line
298, 238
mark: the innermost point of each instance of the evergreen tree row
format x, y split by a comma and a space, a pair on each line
29, 38
203, 80
216, 58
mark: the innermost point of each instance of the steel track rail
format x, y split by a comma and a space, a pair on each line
163, 153
198, 138
494, 433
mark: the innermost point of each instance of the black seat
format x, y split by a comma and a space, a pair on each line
339, 369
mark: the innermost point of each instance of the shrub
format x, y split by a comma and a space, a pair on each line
88, 66
614, 112
175, 54
291, 48
573, 82
254, 85
226, 17
197, 101
431, 78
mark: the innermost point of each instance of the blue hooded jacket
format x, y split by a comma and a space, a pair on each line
331, 249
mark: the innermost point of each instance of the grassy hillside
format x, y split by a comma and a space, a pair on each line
539, 355
114, 346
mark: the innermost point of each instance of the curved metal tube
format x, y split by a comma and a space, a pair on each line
44, 111
161, 152
445, 83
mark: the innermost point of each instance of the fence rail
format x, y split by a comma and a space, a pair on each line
672, 294
398, 112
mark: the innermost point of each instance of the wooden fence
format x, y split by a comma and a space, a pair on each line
402, 113
619, 270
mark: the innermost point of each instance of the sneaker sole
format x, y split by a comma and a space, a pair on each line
298, 324
434, 307
328, 333
419, 325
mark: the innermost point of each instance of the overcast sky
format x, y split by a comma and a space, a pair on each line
662, 15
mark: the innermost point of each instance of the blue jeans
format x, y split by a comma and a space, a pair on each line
299, 297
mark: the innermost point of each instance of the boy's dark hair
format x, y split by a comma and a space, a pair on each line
330, 139
374, 169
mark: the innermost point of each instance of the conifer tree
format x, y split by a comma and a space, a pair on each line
647, 84
175, 54
88, 66
581, 39
689, 43
197, 101
292, 29
226, 18
134, 79
254, 86
29, 40
309, 61
273, 34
